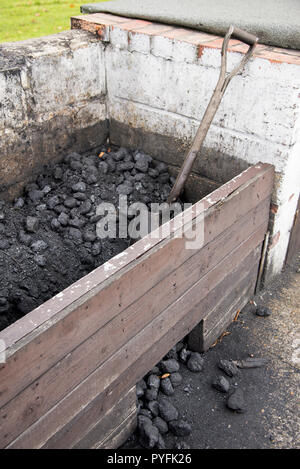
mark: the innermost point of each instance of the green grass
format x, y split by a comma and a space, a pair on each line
24, 19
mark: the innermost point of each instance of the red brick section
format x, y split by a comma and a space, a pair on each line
153, 29
100, 23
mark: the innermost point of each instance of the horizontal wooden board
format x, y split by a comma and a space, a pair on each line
75, 318
45, 392
227, 317
237, 288
240, 281
122, 413
80, 398
102, 429
120, 434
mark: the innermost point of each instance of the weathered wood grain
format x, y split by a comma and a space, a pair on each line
108, 425
63, 323
123, 413
48, 389
119, 435
88, 346
237, 289
69, 407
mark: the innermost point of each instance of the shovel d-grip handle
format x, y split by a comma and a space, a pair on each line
213, 105
243, 36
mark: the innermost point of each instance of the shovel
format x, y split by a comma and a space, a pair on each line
223, 82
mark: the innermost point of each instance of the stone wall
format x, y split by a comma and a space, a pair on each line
52, 91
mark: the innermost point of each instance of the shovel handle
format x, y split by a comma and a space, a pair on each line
245, 37
213, 105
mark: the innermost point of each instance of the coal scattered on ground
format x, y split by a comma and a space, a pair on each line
161, 424
187, 388
48, 236
254, 408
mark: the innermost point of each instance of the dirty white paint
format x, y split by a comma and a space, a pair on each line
160, 85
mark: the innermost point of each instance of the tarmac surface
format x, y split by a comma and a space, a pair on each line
271, 419
275, 23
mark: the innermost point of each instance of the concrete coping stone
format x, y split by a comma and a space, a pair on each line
276, 23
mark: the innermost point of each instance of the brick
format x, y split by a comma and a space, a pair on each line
107, 18
102, 18
155, 29
162, 47
197, 37
134, 25
119, 37
139, 42
184, 51
278, 56
100, 30
176, 33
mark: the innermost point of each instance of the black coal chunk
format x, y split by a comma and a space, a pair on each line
161, 425
195, 362
166, 409
169, 366
221, 384
149, 435
236, 401
167, 387
229, 368
180, 427
263, 311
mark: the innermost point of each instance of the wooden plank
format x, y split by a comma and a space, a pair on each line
109, 427
240, 281
122, 360
237, 288
74, 316
48, 389
228, 317
120, 434
109, 424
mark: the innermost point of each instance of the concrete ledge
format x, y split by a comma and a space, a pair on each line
275, 23
104, 25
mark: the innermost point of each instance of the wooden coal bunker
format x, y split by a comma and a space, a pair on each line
72, 364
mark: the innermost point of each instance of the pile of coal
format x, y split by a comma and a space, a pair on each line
48, 237
157, 416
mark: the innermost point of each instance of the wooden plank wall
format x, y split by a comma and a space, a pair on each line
71, 361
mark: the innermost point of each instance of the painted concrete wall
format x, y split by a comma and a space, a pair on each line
162, 85
52, 94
